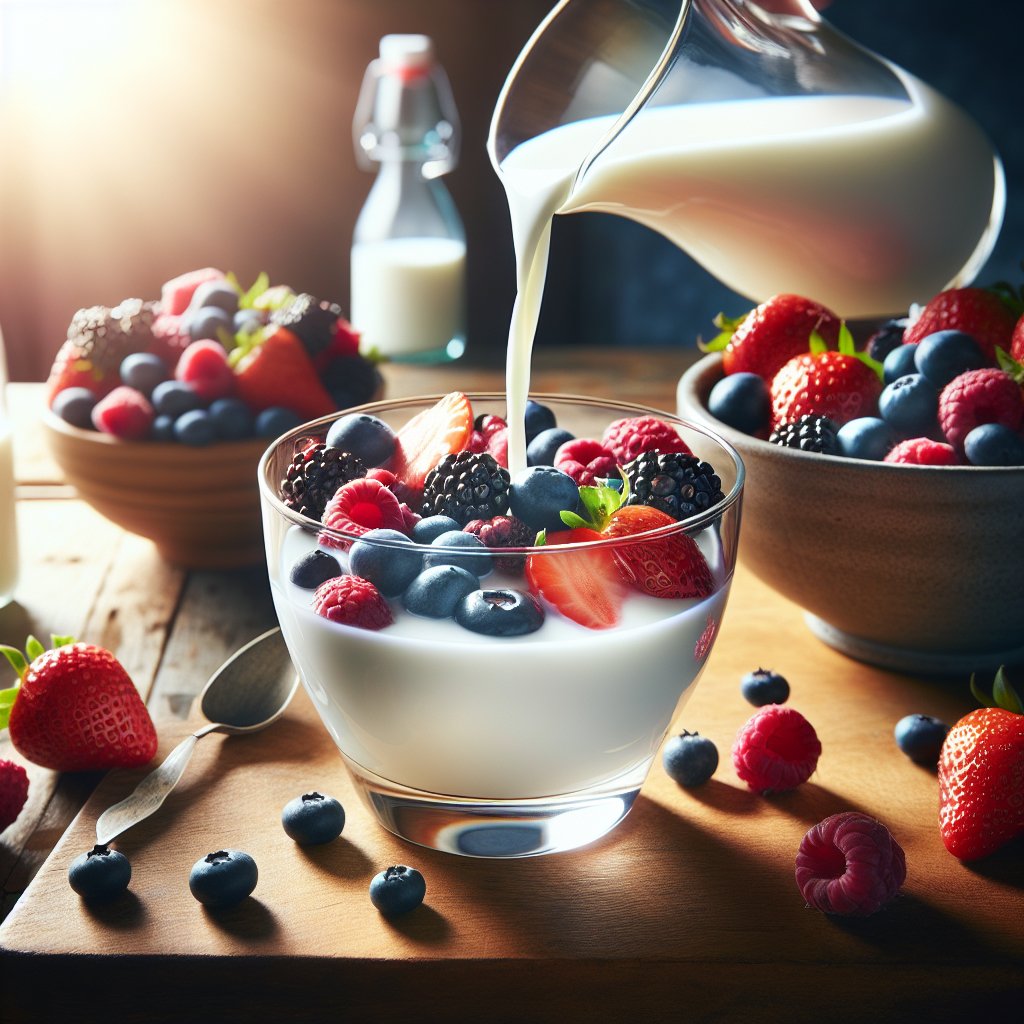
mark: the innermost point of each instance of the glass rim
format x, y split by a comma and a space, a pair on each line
692, 524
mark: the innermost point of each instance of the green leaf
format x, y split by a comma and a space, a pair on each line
33, 648
1010, 365
1005, 695
817, 343
7, 698
846, 343
260, 285
980, 695
541, 539
60, 641
726, 329
572, 520
16, 658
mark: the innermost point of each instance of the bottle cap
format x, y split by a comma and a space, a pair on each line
412, 52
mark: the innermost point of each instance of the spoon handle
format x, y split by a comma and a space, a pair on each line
149, 794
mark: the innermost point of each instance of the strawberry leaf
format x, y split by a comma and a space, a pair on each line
980, 695
817, 343
7, 698
1005, 695
16, 658
248, 299
726, 329
1010, 365
33, 648
572, 520
60, 641
1012, 297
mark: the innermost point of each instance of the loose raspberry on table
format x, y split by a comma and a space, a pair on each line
627, 438
360, 506
922, 451
585, 459
13, 792
979, 396
776, 750
353, 601
850, 865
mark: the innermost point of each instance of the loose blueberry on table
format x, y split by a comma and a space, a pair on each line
223, 878
920, 737
313, 819
764, 686
690, 759
397, 890
100, 875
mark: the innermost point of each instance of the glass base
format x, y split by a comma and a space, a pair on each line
495, 828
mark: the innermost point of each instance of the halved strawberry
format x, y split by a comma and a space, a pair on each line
584, 586
429, 436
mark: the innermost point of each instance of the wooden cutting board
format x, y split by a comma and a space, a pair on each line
689, 911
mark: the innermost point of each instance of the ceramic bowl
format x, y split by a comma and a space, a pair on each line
200, 506
910, 567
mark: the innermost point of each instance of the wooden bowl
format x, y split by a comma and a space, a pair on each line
200, 506
916, 568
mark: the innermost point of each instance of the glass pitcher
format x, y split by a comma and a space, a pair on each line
771, 148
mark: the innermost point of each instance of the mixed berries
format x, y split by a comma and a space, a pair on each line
940, 387
208, 362
419, 518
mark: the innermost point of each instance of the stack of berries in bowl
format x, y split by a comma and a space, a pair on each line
941, 388
209, 362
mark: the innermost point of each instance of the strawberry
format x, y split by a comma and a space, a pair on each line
841, 385
981, 775
771, 334
984, 314
13, 792
75, 709
1017, 342
429, 436
672, 567
72, 368
583, 585
273, 368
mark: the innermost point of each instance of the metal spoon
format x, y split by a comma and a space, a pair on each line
248, 692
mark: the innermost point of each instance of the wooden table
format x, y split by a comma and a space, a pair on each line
688, 911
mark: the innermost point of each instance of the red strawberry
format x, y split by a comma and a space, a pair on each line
983, 314
840, 385
76, 709
673, 567
277, 370
204, 366
72, 368
125, 413
429, 436
352, 601
976, 397
176, 294
630, 437
981, 777
13, 792
1017, 342
585, 459
583, 585
770, 335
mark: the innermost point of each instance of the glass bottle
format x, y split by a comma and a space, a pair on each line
8, 528
408, 294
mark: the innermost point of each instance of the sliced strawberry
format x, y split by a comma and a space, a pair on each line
673, 567
584, 586
429, 436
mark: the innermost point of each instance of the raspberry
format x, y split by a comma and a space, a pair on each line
776, 750
849, 864
629, 437
922, 451
352, 601
977, 397
503, 532
125, 413
204, 366
408, 495
360, 506
13, 792
490, 434
585, 460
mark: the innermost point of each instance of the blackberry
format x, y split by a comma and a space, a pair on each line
678, 485
808, 434
466, 485
503, 532
311, 320
351, 380
314, 474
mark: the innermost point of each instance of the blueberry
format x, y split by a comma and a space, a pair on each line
465, 550
163, 428
437, 590
195, 428
993, 444
540, 494
764, 686
888, 337
397, 890
430, 527
216, 294
232, 419
314, 568
898, 363
388, 559
74, 406
500, 613
540, 451
208, 322
866, 437
173, 397
910, 405
312, 819
920, 737
275, 421
742, 401
143, 371
538, 418
101, 874
690, 759
943, 355
223, 879
363, 435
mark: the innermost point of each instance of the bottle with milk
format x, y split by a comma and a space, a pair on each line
8, 531
408, 294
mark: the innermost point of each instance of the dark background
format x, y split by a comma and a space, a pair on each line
219, 133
